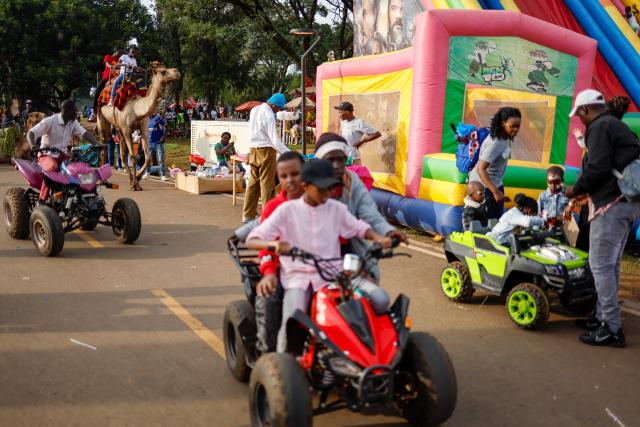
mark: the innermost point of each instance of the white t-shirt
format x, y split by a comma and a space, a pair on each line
55, 133
128, 62
262, 123
352, 131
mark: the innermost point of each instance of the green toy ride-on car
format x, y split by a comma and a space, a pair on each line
533, 264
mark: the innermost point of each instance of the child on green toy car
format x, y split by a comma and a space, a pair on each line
475, 208
522, 215
552, 201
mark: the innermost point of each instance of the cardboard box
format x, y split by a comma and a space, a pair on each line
197, 185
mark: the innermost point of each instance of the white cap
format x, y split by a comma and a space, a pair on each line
587, 97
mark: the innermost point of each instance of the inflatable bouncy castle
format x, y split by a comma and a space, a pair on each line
462, 66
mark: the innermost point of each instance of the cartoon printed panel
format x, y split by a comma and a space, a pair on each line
512, 63
383, 25
380, 110
534, 140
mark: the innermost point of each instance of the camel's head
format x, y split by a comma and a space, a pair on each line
33, 119
165, 75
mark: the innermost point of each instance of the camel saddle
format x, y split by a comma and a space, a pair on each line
125, 92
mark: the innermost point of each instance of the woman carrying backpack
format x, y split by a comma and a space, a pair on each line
494, 155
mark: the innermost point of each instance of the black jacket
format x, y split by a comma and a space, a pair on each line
470, 213
610, 144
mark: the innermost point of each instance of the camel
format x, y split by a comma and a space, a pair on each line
23, 151
135, 116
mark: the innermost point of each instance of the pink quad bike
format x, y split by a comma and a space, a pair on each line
73, 202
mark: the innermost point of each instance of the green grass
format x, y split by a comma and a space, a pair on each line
631, 265
177, 152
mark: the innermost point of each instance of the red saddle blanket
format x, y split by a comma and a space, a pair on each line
125, 92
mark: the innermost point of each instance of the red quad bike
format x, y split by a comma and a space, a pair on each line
74, 201
366, 362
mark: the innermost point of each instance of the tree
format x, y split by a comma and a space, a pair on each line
50, 48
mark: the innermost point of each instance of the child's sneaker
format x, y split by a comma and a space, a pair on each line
163, 178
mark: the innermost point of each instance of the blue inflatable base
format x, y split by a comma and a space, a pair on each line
429, 216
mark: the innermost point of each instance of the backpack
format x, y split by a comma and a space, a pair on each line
470, 139
629, 180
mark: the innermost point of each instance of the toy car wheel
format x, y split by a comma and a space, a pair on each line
528, 306
234, 348
16, 213
47, 233
428, 395
126, 221
456, 282
279, 392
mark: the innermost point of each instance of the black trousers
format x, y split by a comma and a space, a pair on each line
101, 84
268, 318
494, 209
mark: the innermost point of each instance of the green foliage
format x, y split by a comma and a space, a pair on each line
52, 48
226, 50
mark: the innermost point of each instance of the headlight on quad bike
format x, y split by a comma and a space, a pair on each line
86, 178
577, 273
342, 366
554, 270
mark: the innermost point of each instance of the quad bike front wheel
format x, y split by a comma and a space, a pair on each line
456, 282
279, 393
234, 348
427, 391
47, 232
16, 213
528, 306
126, 220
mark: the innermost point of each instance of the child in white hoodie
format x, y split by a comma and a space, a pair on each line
522, 215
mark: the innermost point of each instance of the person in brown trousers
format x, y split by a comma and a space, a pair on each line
264, 146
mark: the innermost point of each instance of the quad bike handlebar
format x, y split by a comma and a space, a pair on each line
53, 150
331, 269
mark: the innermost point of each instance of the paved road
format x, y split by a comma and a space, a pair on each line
150, 368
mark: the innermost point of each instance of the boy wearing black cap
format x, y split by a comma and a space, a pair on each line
314, 223
356, 131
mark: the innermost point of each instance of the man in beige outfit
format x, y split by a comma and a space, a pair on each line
264, 146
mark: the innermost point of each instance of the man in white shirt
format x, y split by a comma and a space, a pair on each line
264, 145
128, 63
356, 131
56, 132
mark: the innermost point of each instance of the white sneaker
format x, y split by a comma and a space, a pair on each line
163, 178
144, 175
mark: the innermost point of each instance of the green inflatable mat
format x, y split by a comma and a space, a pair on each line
442, 167
633, 121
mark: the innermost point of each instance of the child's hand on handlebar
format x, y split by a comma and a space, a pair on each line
282, 247
399, 235
386, 242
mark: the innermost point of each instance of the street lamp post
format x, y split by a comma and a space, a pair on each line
304, 32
